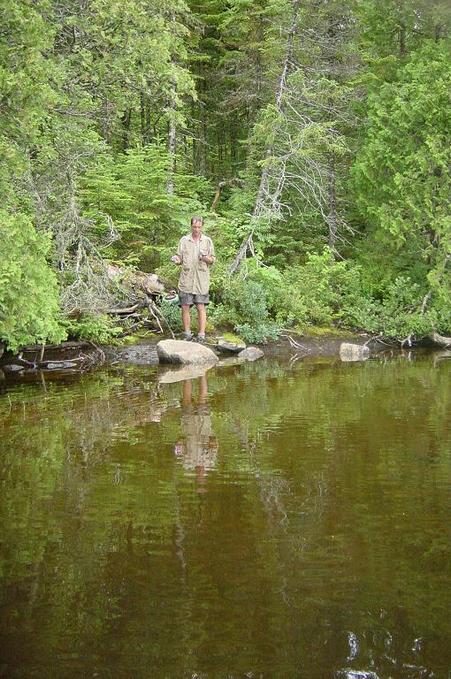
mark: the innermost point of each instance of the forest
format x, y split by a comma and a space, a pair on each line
311, 135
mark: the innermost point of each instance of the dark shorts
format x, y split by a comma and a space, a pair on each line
189, 298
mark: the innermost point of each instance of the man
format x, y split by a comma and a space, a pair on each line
195, 254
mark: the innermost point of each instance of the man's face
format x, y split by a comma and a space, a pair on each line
196, 228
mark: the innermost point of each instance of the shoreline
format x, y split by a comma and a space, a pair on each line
78, 357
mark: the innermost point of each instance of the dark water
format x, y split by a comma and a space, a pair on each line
267, 521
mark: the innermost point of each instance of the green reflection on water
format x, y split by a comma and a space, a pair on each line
264, 520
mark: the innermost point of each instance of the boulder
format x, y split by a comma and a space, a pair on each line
137, 354
250, 354
353, 352
184, 353
229, 347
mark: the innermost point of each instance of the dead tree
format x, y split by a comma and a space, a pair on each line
269, 192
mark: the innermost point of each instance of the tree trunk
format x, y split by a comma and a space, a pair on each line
126, 120
172, 145
142, 110
332, 217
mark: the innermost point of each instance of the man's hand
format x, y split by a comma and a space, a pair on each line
208, 259
176, 259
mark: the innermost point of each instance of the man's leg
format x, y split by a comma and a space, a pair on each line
187, 392
186, 319
202, 316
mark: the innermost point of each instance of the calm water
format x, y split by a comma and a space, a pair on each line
265, 521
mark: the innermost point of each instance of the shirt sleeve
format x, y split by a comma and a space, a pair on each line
180, 249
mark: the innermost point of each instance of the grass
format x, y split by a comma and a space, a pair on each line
323, 331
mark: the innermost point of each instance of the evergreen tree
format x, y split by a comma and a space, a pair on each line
401, 172
29, 301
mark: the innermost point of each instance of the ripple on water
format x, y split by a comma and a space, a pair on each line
251, 524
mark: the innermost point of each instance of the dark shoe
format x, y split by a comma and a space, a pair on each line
187, 336
201, 339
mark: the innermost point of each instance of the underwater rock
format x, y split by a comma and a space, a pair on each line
353, 352
250, 354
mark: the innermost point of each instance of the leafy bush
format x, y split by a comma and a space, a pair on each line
313, 293
99, 328
244, 307
29, 298
172, 316
400, 313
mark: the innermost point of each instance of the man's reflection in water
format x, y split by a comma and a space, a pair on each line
198, 448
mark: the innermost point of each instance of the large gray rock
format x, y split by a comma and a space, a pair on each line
250, 354
181, 352
353, 352
137, 354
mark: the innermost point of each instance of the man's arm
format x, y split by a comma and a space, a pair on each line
178, 258
209, 258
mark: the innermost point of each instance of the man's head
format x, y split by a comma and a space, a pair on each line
196, 226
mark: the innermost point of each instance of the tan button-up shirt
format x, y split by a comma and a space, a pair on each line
195, 275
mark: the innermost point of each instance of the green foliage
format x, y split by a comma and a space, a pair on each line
172, 315
130, 189
398, 314
244, 307
313, 293
29, 300
97, 328
401, 174
119, 121
26, 88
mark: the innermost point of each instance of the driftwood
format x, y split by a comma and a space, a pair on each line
125, 310
136, 281
81, 361
144, 289
440, 340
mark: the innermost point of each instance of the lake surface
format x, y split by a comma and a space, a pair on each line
269, 520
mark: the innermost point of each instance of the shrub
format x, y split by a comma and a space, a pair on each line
29, 299
98, 328
244, 307
171, 312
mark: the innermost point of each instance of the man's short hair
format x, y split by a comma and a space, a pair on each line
196, 218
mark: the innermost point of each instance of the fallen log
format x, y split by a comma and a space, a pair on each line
440, 340
125, 310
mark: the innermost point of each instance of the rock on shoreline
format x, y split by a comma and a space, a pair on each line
184, 353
